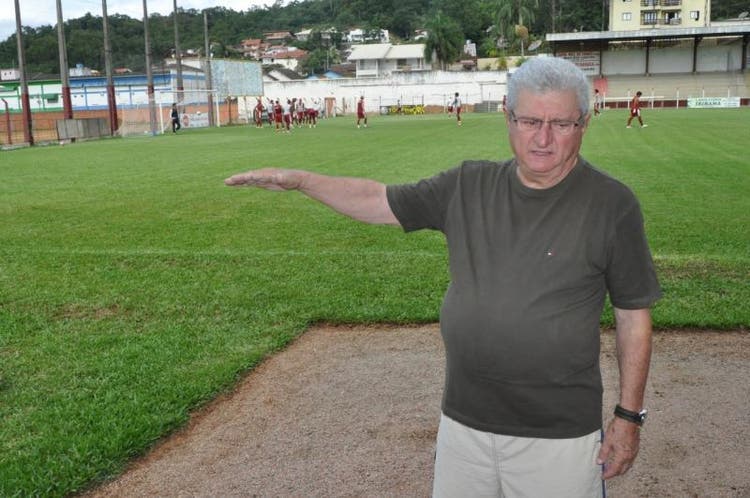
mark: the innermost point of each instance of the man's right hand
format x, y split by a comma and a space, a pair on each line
268, 178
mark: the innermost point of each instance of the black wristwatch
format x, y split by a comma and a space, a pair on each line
635, 417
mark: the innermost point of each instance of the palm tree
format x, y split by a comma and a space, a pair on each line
512, 13
444, 39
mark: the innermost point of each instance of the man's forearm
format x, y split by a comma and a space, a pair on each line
359, 198
633, 355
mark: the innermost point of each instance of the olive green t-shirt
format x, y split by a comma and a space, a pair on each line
529, 271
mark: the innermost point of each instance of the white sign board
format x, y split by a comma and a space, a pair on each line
713, 102
194, 120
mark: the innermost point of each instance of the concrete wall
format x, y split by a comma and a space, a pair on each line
682, 86
712, 56
433, 88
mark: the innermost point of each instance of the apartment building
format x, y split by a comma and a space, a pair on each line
630, 15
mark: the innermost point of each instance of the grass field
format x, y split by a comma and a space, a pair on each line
135, 286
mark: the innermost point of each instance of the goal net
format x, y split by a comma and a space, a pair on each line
192, 109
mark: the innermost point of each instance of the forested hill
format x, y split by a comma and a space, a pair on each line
482, 21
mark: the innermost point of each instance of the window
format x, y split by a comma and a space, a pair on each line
627, 16
648, 17
695, 15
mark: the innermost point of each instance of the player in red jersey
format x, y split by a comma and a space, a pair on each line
311, 117
277, 114
361, 111
635, 110
258, 114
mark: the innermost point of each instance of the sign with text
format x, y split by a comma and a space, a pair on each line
589, 62
713, 102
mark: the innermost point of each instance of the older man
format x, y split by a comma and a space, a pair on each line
535, 244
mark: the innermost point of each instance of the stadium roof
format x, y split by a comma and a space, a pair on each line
643, 34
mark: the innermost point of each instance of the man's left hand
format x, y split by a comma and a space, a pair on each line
619, 448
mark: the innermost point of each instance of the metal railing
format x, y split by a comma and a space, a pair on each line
661, 3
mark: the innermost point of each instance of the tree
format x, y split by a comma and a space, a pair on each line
444, 38
512, 13
469, 14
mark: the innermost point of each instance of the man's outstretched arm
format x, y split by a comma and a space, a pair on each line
359, 198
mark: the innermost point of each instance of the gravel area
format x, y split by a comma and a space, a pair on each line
353, 411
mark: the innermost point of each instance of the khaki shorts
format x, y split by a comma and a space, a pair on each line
472, 463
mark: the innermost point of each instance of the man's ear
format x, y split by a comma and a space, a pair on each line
586, 120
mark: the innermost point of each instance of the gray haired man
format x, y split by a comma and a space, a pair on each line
535, 244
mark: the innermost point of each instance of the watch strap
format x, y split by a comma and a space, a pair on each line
634, 417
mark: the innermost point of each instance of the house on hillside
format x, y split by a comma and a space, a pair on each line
381, 59
281, 74
288, 57
364, 36
275, 38
253, 48
326, 35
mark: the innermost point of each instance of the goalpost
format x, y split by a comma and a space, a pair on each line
192, 106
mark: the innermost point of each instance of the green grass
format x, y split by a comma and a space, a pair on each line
135, 286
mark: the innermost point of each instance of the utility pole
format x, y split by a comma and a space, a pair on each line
111, 99
149, 72
207, 72
62, 50
178, 54
28, 136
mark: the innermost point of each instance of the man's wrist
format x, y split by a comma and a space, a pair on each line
637, 418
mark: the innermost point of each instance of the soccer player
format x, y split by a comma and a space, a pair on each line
300, 109
457, 108
361, 111
269, 112
635, 110
287, 110
258, 113
175, 119
311, 116
597, 102
278, 113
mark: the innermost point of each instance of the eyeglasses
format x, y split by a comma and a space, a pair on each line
559, 126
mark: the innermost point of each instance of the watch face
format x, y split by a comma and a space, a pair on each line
642, 415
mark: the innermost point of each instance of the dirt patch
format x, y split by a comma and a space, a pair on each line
354, 412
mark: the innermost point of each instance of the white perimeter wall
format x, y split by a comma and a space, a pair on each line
433, 88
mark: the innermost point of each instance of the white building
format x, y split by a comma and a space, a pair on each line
381, 59
630, 15
364, 36
10, 74
288, 57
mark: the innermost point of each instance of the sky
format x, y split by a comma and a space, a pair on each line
35, 13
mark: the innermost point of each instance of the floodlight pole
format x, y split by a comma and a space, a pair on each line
207, 71
149, 72
111, 98
178, 55
28, 136
62, 50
